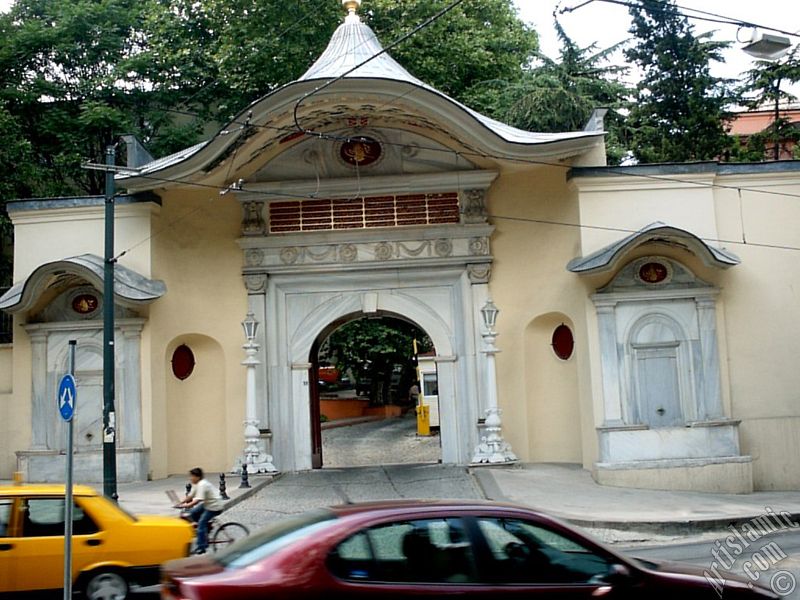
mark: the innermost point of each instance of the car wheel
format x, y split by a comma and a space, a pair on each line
106, 585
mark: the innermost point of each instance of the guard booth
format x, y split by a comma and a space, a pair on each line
429, 388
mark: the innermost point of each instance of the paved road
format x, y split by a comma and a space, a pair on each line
383, 442
782, 556
298, 492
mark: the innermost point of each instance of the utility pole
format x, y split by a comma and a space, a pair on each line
109, 361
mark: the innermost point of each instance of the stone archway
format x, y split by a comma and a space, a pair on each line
314, 391
298, 309
434, 274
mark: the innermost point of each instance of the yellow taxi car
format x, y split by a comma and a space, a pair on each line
112, 550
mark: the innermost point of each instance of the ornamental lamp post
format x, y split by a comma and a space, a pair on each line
492, 449
489, 313
257, 461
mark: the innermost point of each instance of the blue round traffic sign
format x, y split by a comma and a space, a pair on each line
66, 397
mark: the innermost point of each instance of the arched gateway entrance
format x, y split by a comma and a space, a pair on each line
362, 368
302, 284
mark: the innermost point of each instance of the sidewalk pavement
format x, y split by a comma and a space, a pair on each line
569, 492
150, 497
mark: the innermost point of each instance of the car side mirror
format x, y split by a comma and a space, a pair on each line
618, 574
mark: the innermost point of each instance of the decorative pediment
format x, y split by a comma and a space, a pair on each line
365, 152
130, 288
609, 257
651, 274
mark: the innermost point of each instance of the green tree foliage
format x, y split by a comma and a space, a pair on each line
679, 113
478, 41
765, 86
560, 95
77, 73
372, 348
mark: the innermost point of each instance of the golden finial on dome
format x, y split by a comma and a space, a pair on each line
351, 5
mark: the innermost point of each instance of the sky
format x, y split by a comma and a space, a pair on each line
607, 24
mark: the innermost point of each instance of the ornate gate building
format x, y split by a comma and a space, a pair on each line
639, 336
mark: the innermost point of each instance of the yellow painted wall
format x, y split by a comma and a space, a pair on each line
196, 407
529, 280
552, 393
80, 231
197, 255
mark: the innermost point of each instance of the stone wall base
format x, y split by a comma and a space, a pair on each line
728, 475
49, 466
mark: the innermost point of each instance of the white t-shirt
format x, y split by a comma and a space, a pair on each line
206, 492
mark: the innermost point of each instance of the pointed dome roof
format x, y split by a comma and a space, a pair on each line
355, 47
353, 43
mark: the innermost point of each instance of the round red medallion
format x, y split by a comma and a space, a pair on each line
361, 151
653, 272
84, 304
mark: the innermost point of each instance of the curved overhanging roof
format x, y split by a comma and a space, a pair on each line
130, 288
607, 259
388, 82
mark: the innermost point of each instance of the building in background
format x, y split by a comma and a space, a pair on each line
746, 124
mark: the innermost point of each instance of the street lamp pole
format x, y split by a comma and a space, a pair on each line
109, 414
257, 461
492, 449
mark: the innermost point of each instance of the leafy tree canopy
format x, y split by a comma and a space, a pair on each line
371, 348
76, 73
560, 95
679, 113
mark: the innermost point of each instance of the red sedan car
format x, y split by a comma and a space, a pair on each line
398, 549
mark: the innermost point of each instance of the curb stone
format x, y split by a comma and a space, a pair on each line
257, 487
682, 527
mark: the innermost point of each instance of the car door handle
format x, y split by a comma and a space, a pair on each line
93, 542
4, 547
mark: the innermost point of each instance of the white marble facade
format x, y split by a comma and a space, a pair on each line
50, 331
300, 285
660, 369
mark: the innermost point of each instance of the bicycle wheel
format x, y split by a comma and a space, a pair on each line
228, 533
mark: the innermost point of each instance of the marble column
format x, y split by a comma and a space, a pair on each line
41, 417
300, 439
613, 413
131, 400
710, 395
256, 285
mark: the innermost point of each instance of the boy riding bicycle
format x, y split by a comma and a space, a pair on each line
204, 503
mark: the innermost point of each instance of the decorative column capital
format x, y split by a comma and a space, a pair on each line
473, 206
479, 273
706, 302
256, 283
253, 218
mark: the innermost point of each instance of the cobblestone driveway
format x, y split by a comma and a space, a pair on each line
384, 442
297, 492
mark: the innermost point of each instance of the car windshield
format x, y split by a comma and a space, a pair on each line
272, 538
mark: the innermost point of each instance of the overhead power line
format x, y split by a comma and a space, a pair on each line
620, 171
701, 15
551, 222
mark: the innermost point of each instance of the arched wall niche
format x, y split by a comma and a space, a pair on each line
552, 394
196, 414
